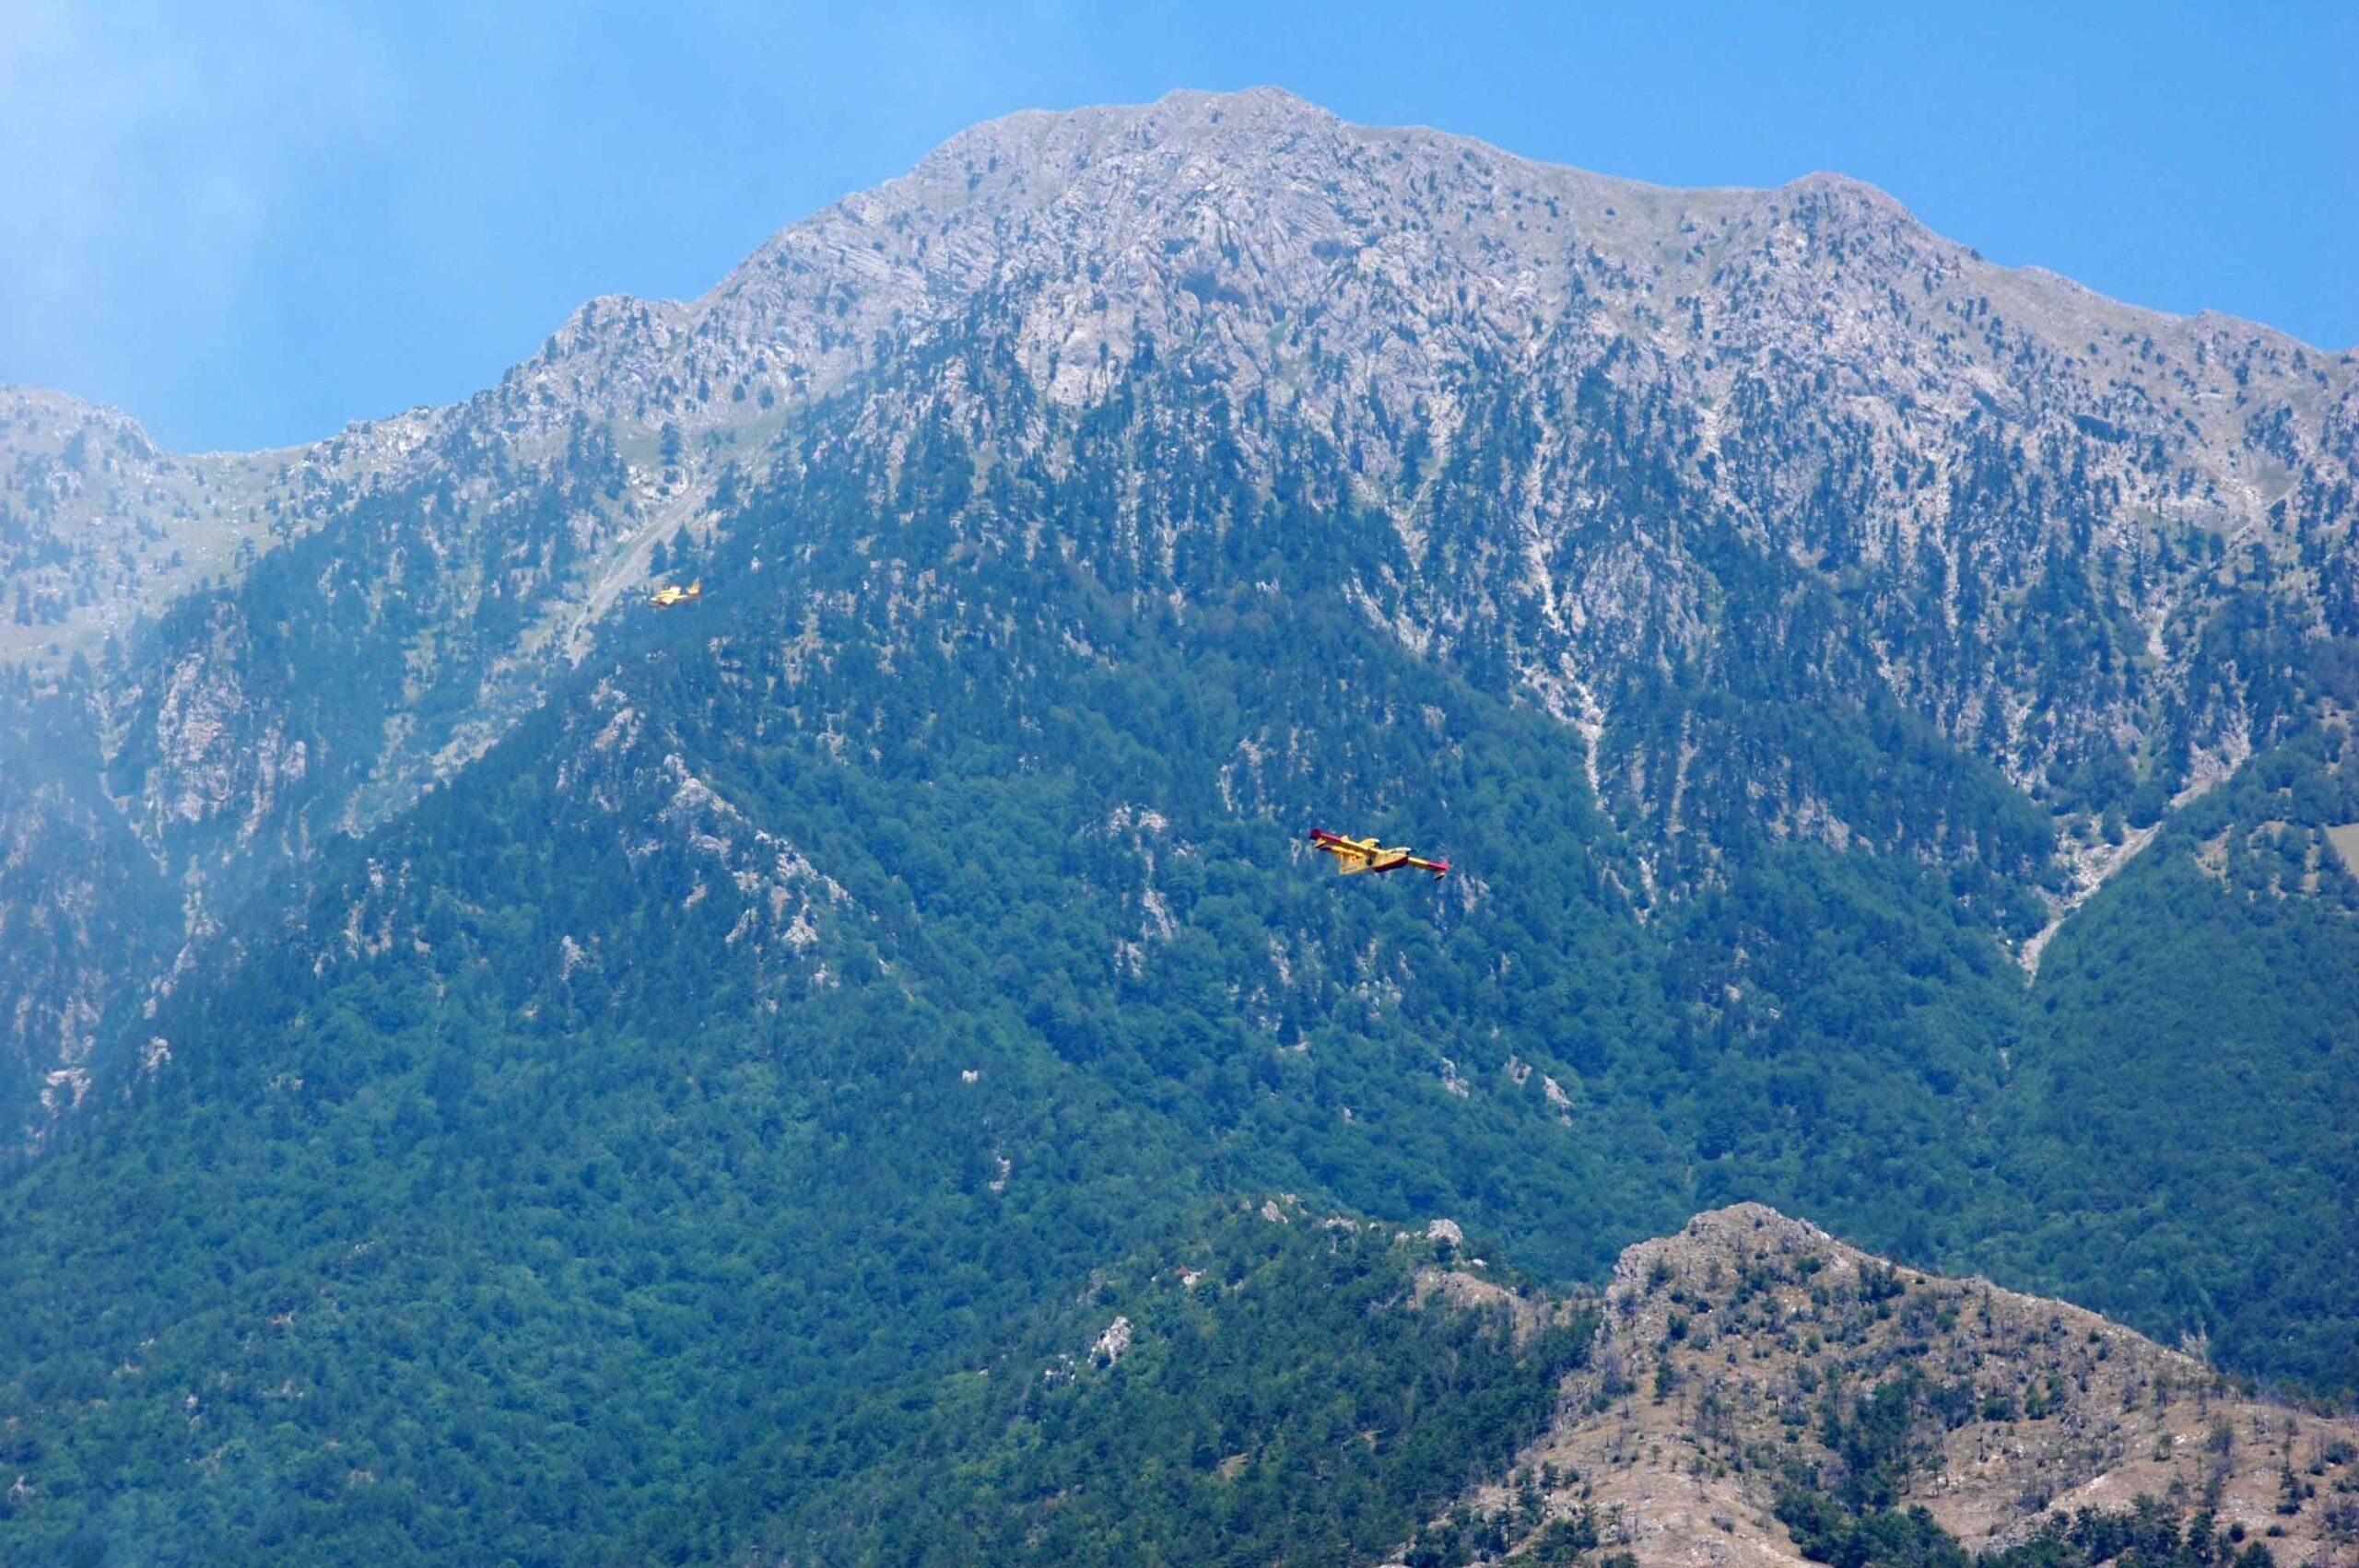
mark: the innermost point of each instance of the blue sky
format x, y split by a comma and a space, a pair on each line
249, 221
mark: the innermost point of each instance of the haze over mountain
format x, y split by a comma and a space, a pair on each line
1890, 716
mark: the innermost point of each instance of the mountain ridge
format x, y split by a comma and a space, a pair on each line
656, 344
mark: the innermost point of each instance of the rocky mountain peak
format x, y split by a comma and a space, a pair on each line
1363, 273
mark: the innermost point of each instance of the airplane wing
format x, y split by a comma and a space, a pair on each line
1353, 854
1342, 848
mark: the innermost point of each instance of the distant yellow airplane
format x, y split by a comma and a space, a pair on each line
1366, 855
672, 593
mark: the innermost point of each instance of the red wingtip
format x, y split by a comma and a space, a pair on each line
1441, 868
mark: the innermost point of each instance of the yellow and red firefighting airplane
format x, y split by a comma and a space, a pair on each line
672, 593
1366, 855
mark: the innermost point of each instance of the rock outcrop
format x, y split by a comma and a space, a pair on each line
1723, 1350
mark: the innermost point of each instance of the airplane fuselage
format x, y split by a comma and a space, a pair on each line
1354, 856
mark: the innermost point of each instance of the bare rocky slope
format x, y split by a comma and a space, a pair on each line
1725, 1350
